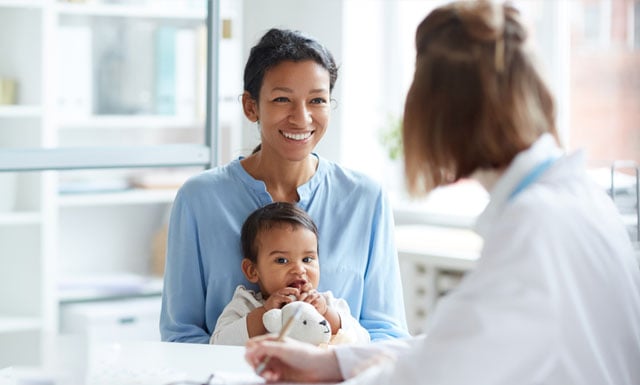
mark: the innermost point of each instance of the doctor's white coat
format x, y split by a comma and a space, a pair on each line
554, 298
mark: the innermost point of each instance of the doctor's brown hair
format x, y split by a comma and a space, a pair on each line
476, 99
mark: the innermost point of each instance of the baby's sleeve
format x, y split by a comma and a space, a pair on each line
350, 329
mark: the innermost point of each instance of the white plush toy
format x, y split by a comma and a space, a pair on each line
310, 326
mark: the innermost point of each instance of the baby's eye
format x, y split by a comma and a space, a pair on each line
307, 259
281, 260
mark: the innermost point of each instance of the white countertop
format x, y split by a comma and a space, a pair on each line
443, 247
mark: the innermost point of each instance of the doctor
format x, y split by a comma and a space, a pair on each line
555, 296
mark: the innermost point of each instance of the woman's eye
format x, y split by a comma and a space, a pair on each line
319, 101
281, 99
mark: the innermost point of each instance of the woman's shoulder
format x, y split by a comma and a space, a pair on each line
339, 175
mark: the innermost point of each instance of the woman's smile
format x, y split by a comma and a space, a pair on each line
297, 136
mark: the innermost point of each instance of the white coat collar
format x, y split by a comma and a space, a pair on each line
542, 149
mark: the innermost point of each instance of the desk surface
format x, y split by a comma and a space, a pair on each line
74, 360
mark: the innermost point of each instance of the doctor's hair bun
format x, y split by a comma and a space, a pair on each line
473, 26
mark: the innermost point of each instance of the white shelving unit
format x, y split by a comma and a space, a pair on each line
47, 236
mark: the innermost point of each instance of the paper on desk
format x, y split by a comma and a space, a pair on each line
236, 378
247, 379
6, 376
26, 375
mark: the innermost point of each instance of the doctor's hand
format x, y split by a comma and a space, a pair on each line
292, 360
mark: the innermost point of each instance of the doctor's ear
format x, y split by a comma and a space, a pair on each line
250, 107
249, 270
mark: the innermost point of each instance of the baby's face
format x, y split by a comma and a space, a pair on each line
287, 256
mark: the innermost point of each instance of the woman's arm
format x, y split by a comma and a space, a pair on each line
382, 311
182, 318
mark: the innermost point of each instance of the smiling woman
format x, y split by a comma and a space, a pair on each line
292, 110
288, 80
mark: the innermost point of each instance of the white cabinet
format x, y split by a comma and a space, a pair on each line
128, 319
433, 259
94, 74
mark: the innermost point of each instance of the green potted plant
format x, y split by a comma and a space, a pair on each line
391, 138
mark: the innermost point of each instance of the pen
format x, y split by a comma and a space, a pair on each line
283, 333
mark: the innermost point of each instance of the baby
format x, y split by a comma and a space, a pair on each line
280, 248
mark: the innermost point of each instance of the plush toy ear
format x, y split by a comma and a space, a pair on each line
310, 327
272, 320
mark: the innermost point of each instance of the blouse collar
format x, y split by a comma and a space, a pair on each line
259, 188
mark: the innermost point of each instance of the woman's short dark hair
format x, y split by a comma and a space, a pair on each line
278, 45
477, 98
269, 216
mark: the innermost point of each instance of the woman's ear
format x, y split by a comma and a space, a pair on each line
250, 107
249, 270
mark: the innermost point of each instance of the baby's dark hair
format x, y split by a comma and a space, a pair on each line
269, 216
278, 45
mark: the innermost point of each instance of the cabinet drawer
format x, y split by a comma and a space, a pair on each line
127, 319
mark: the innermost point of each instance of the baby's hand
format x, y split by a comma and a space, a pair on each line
316, 299
281, 297
304, 291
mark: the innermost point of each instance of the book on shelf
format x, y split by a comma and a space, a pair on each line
124, 53
75, 78
185, 73
138, 75
165, 53
161, 180
201, 73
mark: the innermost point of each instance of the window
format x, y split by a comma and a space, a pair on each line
588, 50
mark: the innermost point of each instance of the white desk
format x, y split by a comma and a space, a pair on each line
432, 258
73, 360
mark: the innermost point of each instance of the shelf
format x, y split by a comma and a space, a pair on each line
20, 111
15, 324
21, 3
156, 12
135, 196
108, 287
128, 121
66, 226
20, 218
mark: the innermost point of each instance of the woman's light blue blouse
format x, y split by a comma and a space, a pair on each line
358, 258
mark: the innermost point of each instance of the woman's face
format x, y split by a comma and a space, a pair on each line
287, 257
294, 108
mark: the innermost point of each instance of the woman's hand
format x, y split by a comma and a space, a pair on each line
292, 360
